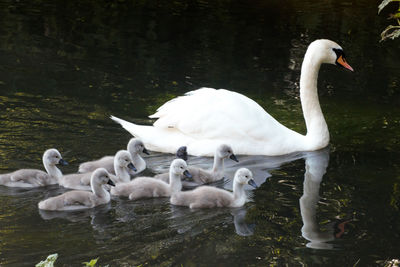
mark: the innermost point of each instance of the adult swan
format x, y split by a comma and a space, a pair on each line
205, 118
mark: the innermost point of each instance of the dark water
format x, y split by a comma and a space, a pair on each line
66, 66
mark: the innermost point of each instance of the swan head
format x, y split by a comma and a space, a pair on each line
224, 151
244, 176
329, 52
181, 153
123, 159
53, 157
136, 146
179, 167
101, 176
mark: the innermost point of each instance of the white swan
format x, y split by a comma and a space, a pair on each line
135, 147
73, 200
148, 187
201, 176
81, 181
36, 178
204, 118
210, 197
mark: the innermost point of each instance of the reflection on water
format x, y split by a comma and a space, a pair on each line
316, 165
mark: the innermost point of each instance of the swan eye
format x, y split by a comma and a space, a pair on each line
247, 176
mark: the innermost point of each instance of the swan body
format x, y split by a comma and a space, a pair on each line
201, 176
73, 200
81, 181
135, 147
204, 118
210, 197
148, 187
35, 178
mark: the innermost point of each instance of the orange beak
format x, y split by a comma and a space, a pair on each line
341, 61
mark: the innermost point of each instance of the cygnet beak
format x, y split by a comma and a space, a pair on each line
62, 162
187, 174
252, 183
233, 157
132, 167
110, 182
145, 151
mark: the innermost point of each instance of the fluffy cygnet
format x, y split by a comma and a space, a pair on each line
201, 176
135, 147
76, 199
81, 181
148, 187
36, 178
210, 197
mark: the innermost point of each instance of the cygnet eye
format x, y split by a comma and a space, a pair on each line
247, 176
56, 157
181, 167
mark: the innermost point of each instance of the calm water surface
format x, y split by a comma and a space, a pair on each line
66, 67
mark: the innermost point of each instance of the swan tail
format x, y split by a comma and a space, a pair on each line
50, 204
134, 129
166, 140
84, 167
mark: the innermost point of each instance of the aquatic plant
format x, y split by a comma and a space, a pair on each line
391, 31
48, 262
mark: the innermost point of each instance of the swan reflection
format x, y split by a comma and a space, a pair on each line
315, 168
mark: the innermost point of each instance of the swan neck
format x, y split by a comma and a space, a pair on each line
98, 189
317, 129
122, 174
52, 170
218, 166
239, 195
175, 182
136, 158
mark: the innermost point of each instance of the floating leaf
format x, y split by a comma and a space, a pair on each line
49, 262
91, 263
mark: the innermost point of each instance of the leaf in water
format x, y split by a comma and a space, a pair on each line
49, 262
384, 3
91, 263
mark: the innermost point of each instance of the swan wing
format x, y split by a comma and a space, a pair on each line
208, 113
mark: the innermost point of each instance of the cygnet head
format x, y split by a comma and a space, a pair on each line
179, 167
53, 157
329, 52
101, 176
123, 159
225, 151
136, 145
181, 153
244, 176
